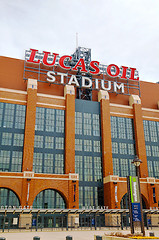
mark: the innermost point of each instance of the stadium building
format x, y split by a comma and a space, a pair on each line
70, 128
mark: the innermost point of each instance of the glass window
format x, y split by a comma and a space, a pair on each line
155, 151
9, 115
48, 163
80, 197
131, 149
87, 124
153, 131
96, 125
40, 116
88, 168
87, 145
50, 119
16, 161
79, 166
146, 130
38, 142
88, 196
8, 198
97, 169
124, 167
97, 147
123, 148
60, 121
59, 163
4, 160
156, 168
121, 128
114, 147
148, 150
129, 127
116, 170
78, 123
49, 142
114, 127
132, 168
37, 162
6, 138
1, 112
49, 199
20, 117
150, 168
59, 143
78, 144
18, 139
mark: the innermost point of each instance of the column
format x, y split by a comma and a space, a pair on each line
30, 125
107, 160
135, 101
69, 93
103, 98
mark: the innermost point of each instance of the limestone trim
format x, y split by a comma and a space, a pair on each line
49, 96
122, 114
121, 106
146, 117
50, 105
13, 91
150, 110
13, 100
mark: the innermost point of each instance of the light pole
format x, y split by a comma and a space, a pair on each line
137, 163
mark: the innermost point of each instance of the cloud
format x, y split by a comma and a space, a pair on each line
122, 32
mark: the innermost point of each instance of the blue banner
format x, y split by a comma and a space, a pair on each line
136, 212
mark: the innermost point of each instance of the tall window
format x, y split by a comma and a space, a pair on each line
12, 124
123, 146
88, 154
49, 141
151, 132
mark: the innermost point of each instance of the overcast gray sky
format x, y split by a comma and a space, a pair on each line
123, 32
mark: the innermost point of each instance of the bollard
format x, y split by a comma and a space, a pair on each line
151, 234
68, 237
98, 237
36, 238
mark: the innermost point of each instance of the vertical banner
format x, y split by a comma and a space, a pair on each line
154, 195
135, 199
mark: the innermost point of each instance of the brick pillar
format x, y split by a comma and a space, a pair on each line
28, 150
103, 98
69, 93
135, 101
107, 161
151, 183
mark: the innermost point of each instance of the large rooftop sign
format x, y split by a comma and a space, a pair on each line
80, 71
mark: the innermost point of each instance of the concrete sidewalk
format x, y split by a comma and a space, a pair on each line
55, 235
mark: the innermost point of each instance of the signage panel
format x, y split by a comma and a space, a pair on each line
134, 189
136, 212
80, 72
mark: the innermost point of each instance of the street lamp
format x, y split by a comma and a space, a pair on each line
137, 163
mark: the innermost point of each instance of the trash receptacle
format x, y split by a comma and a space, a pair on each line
68, 237
151, 234
98, 237
2, 238
36, 238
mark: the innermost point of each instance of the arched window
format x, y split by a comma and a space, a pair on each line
8, 198
124, 202
49, 199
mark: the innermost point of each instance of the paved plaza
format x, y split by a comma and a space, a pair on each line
61, 235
